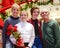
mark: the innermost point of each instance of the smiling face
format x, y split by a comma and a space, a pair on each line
44, 14
23, 16
15, 10
34, 12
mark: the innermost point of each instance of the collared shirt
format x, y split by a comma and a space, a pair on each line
26, 31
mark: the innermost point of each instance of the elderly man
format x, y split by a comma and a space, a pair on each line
50, 29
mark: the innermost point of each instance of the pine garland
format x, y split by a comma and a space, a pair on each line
30, 5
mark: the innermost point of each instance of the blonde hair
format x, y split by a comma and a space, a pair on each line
15, 5
23, 12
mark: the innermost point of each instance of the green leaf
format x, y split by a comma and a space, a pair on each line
38, 3
30, 5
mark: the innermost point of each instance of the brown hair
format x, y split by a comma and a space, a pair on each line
32, 9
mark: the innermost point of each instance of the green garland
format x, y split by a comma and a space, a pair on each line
30, 5
4, 16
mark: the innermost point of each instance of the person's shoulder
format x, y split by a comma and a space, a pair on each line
29, 20
7, 19
29, 24
53, 21
18, 24
39, 20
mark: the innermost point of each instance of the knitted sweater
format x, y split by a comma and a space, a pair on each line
10, 20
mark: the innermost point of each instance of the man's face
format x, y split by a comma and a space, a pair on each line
15, 11
35, 13
44, 14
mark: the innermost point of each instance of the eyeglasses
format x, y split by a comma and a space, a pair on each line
44, 12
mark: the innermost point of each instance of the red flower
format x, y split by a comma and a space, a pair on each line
9, 27
20, 42
15, 28
8, 33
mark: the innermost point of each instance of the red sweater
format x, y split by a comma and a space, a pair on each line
39, 26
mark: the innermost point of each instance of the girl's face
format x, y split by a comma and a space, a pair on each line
15, 11
23, 16
35, 13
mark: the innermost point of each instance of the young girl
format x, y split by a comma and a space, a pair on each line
26, 30
37, 27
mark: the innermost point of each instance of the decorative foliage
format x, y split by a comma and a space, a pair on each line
4, 15
32, 3
1, 23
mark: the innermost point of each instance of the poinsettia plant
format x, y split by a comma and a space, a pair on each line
13, 31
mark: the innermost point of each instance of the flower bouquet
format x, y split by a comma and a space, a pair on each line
13, 30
